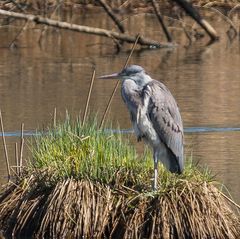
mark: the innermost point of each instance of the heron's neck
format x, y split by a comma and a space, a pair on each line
141, 80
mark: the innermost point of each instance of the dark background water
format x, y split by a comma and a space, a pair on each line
205, 80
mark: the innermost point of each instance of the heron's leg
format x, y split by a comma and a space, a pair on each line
155, 158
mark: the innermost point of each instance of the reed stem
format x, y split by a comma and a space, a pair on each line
5, 147
89, 96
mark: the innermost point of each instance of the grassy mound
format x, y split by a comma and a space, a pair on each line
88, 183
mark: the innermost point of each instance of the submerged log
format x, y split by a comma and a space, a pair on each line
85, 29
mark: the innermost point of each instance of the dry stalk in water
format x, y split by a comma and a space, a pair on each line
5, 147
89, 96
21, 149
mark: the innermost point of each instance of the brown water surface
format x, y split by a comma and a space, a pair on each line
205, 80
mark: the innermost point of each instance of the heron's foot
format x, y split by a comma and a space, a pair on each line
156, 185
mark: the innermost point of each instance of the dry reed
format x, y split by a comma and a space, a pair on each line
86, 209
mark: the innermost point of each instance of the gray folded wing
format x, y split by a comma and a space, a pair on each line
166, 119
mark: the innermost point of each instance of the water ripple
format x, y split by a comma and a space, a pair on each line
128, 131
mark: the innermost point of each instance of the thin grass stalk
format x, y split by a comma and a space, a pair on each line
117, 84
88, 97
5, 147
16, 158
55, 117
21, 149
229, 199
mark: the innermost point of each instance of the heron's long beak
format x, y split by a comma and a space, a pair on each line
112, 76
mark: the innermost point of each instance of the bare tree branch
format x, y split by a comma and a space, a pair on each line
160, 19
192, 12
85, 29
110, 12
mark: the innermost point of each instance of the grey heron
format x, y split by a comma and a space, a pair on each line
155, 117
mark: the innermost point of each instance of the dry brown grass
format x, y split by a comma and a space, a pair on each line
84, 209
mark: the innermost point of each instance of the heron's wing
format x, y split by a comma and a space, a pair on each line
165, 117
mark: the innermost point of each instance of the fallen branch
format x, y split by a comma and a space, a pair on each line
85, 29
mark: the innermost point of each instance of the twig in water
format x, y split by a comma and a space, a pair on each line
185, 30
88, 98
21, 149
12, 44
43, 31
117, 84
5, 147
160, 19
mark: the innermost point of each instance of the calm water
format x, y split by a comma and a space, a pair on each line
205, 80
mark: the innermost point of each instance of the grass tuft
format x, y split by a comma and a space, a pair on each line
85, 182
72, 150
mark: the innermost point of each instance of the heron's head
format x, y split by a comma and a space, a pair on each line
133, 72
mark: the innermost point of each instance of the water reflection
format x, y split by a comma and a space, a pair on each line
34, 79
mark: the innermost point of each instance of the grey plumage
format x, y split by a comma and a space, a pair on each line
155, 117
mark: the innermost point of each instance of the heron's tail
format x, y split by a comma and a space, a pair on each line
173, 163
176, 164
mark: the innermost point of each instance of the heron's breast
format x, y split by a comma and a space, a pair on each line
146, 128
